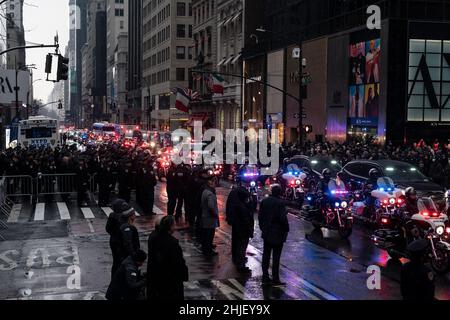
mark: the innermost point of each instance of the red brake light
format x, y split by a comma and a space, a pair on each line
293, 182
385, 201
447, 230
399, 200
425, 214
384, 221
435, 214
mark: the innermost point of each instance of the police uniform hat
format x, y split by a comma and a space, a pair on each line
139, 256
128, 212
117, 205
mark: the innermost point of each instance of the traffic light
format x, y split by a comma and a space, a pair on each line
48, 63
308, 129
63, 68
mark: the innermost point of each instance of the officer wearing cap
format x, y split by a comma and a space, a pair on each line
113, 228
417, 280
129, 234
127, 283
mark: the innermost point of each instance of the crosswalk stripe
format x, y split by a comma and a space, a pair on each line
158, 211
107, 211
63, 211
88, 214
15, 212
39, 212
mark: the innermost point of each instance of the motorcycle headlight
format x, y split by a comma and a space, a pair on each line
337, 204
298, 182
344, 204
440, 230
391, 201
253, 184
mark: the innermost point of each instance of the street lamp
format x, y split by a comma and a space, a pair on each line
300, 78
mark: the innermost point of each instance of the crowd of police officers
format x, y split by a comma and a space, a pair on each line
131, 169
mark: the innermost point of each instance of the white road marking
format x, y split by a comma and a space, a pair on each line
88, 214
39, 212
107, 211
15, 212
63, 211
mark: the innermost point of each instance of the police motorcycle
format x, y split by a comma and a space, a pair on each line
427, 224
386, 199
248, 177
331, 210
161, 166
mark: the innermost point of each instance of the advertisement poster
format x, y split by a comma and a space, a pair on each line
364, 83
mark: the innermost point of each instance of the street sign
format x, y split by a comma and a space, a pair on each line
297, 116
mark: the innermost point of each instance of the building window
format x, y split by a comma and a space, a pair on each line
181, 31
190, 31
181, 53
181, 9
181, 74
190, 53
429, 80
119, 12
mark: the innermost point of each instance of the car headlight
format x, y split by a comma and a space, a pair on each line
344, 204
440, 230
253, 184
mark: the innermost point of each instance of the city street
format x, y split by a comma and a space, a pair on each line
48, 244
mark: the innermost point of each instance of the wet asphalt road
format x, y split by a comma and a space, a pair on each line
64, 255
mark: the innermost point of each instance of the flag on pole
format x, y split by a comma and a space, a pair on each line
215, 83
184, 98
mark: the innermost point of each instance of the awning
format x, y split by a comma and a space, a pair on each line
237, 16
228, 61
221, 62
236, 59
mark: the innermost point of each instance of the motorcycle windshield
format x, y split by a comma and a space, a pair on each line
337, 189
427, 205
386, 184
293, 169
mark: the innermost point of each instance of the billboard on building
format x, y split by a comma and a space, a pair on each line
364, 83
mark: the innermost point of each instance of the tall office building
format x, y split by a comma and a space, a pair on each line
167, 55
3, 35
15, 34
117, 52
94, 65
134, 112
77, 39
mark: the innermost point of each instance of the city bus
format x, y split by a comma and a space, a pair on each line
39, 131
103, 128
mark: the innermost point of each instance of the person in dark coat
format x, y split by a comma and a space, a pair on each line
274, 226
127, 283
126, 181
166, 267
129, 235
113, 228
105, 184
210, 217
82, 178
232, 201
171, 190
148, 190
242, 228
417, 280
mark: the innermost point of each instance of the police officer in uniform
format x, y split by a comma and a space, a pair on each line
129, 234
149, 183
126, 181
105, 184
113, 228
417, 280
82, 177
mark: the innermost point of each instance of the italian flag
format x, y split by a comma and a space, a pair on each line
217, 83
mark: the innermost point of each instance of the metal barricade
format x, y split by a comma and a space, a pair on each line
56, 184
5, 207
18, 186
